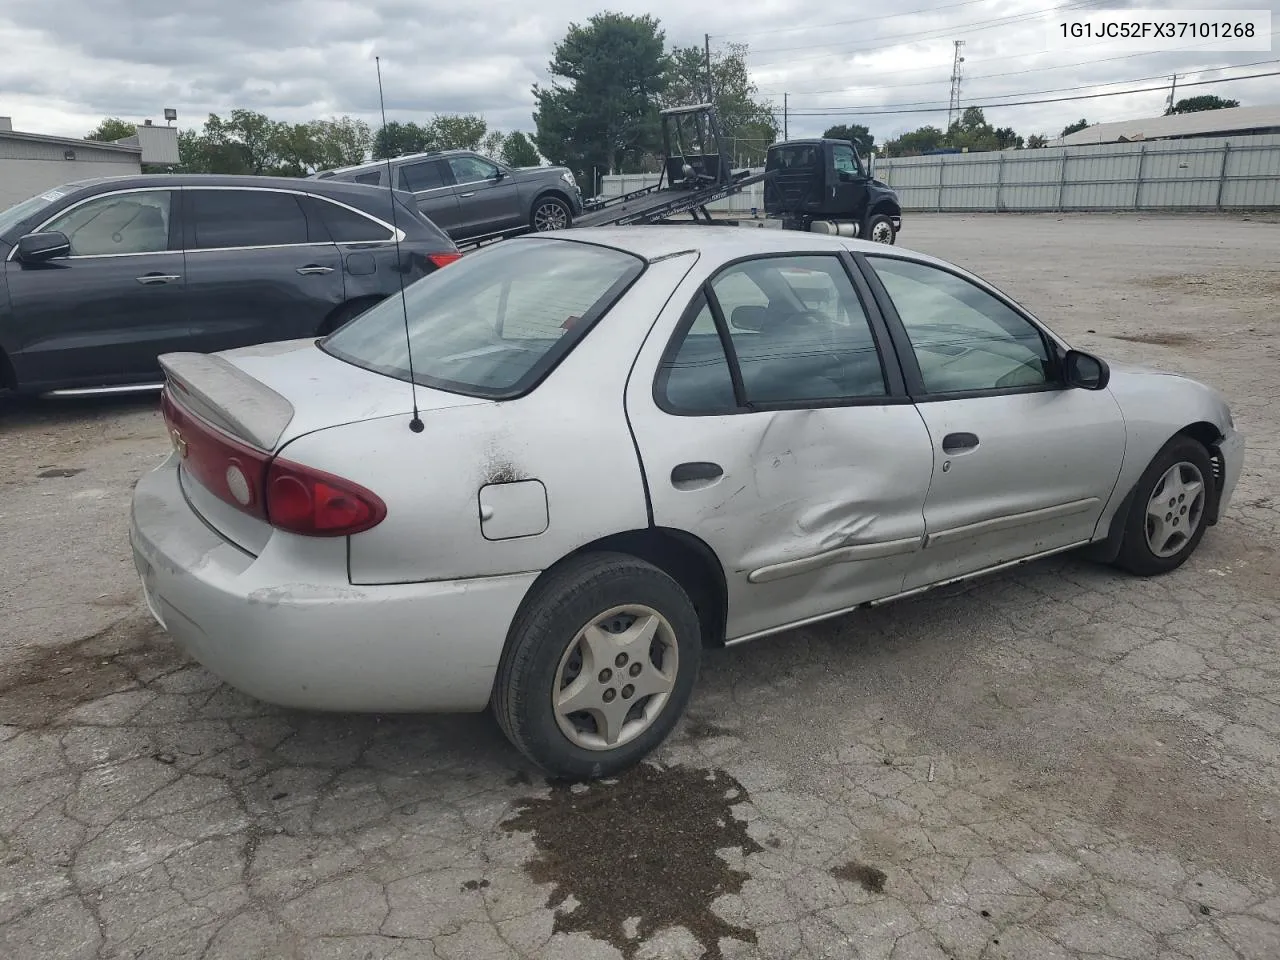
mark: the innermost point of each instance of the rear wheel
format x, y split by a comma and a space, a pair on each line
880, 229
550, 213
599, 667
1167, 519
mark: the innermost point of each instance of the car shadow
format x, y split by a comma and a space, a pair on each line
17, 412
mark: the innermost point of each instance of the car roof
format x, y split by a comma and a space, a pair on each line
225, 180
403, 158
724, 242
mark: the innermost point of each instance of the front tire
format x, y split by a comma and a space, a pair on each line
1172, 502
550, 213
880, 229
599, 666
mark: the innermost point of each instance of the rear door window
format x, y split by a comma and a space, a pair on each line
247, 218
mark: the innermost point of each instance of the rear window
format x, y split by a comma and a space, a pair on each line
494, 323
801, 156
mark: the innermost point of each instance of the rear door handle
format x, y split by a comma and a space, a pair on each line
465, 195
151, 279
314, 268
695, 472
957, 442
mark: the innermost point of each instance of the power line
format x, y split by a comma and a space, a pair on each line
1007, 73
1024, 103
1036, 93
925, 34
846, 23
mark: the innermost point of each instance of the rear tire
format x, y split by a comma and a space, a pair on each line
550, 213
880, 229
1168, 515
600, 664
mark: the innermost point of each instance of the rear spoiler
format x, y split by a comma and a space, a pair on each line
227, 397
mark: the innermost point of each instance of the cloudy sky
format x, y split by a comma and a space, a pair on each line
68, 64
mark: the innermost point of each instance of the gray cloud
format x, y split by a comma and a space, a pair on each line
71, 63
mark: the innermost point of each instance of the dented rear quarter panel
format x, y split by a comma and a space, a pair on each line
570, 433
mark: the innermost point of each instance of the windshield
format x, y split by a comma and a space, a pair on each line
494, 323
28, 208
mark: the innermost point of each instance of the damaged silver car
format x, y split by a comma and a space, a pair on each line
549, 476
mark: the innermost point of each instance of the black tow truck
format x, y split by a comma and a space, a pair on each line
824, 186
820, 185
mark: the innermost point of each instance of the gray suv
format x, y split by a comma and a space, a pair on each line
469, 196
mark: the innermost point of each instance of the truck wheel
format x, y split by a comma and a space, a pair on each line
600, 663
880, 229
550, 213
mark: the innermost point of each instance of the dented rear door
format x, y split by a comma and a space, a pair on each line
769, 427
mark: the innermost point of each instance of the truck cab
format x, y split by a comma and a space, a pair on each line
824, 186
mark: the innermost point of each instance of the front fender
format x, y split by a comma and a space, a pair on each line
1156, 406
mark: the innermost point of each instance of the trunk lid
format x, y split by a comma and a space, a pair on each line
265, 396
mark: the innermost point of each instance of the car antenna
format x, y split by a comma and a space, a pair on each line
416, 423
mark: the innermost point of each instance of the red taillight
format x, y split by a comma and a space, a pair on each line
232, 471
443, 259
318, 504
287, 495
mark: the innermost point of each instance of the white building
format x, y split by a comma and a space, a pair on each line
1231, 122
32, 162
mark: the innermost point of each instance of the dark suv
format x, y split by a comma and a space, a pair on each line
99, 277
469, 196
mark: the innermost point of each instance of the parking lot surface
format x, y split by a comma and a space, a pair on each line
1061, 761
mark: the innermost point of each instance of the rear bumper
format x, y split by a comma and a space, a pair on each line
280, 629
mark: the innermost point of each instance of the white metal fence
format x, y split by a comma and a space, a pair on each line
1204, 173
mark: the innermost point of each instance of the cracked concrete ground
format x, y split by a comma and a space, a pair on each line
1061, 761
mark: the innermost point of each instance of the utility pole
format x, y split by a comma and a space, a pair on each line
784, 118
711, 94
1173, 88
954, 107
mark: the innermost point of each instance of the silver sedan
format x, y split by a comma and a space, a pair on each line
553, 472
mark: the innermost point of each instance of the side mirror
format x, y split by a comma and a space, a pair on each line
39, 247
844, 176
1085, 371
499, 174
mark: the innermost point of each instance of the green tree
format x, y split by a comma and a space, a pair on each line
1196, 104
340, 142
746, 121
457, 132
916, 142
1036, 141
396, 139
1076, 127
601, 109
856, 133
518, 151
111, 129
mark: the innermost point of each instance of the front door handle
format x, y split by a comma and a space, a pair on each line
151, 279
465, 195
314, 268
698, 471
958, 442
